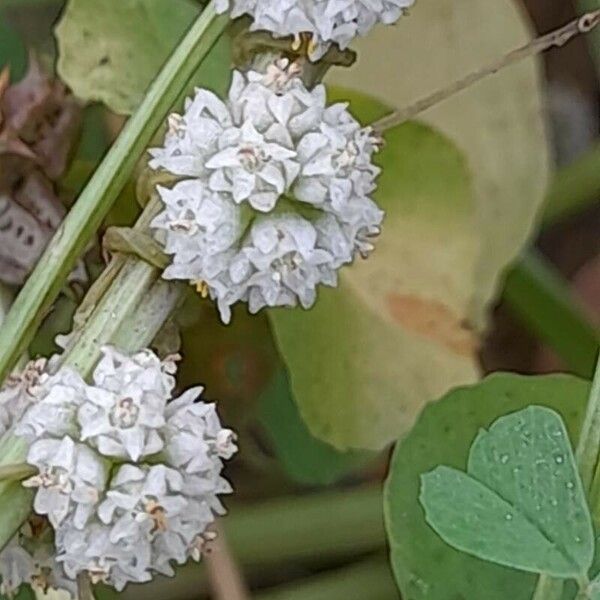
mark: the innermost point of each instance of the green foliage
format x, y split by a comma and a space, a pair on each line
499, 123
12, 50
542, 299
521, 502
112, 51
305, 459
370, 353
426, 568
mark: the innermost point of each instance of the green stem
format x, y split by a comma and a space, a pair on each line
574, 187
591, 450
370, 579
333, 525
588, 447
548, 588
587, 453
85, 217
16, 471
544, 303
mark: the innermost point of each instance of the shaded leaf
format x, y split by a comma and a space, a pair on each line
498, 123
392, 335
426, 568
305, 459
521, 504
111, 51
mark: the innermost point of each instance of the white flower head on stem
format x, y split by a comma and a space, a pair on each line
326, 21
283, 198
70, 480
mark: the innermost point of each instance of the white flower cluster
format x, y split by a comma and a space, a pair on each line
276, 195
128, 477
326, 21
29, 558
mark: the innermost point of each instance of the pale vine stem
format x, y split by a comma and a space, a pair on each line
222, 569
555, 39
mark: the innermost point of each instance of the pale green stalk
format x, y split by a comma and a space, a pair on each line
85, 218
588, 451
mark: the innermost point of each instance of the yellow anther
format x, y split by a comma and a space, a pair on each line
202, 288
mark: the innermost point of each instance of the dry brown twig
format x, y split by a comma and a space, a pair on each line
224, 575
554, 39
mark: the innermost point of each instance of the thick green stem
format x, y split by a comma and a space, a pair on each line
543, 301
370, 579
84, 219
574, 187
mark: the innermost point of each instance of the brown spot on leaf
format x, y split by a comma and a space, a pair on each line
433, 320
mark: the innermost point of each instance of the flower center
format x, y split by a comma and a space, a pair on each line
251, 157
124, 414
55, 478
158, 516
347, 157
285, 264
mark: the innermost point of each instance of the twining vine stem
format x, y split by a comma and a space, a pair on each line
555, 39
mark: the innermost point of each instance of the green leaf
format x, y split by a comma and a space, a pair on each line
111, 51
12, 50
392, 336
545, 303
305, 459
522, 503
498, 123
426, 568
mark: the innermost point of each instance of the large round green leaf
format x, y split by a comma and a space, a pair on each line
391, 337
111, 51
426, 568
498, 123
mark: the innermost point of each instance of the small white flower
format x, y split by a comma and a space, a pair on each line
276, 101
53, 412
16, 568
327, 21
198, 227
193, 137
143, 370
123, 412
141, 500
20, 392
91, 551
280, 264
252, 166
122, 425
195, 438
70, 479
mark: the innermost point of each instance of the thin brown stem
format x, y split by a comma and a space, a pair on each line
224, 575
555, 39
